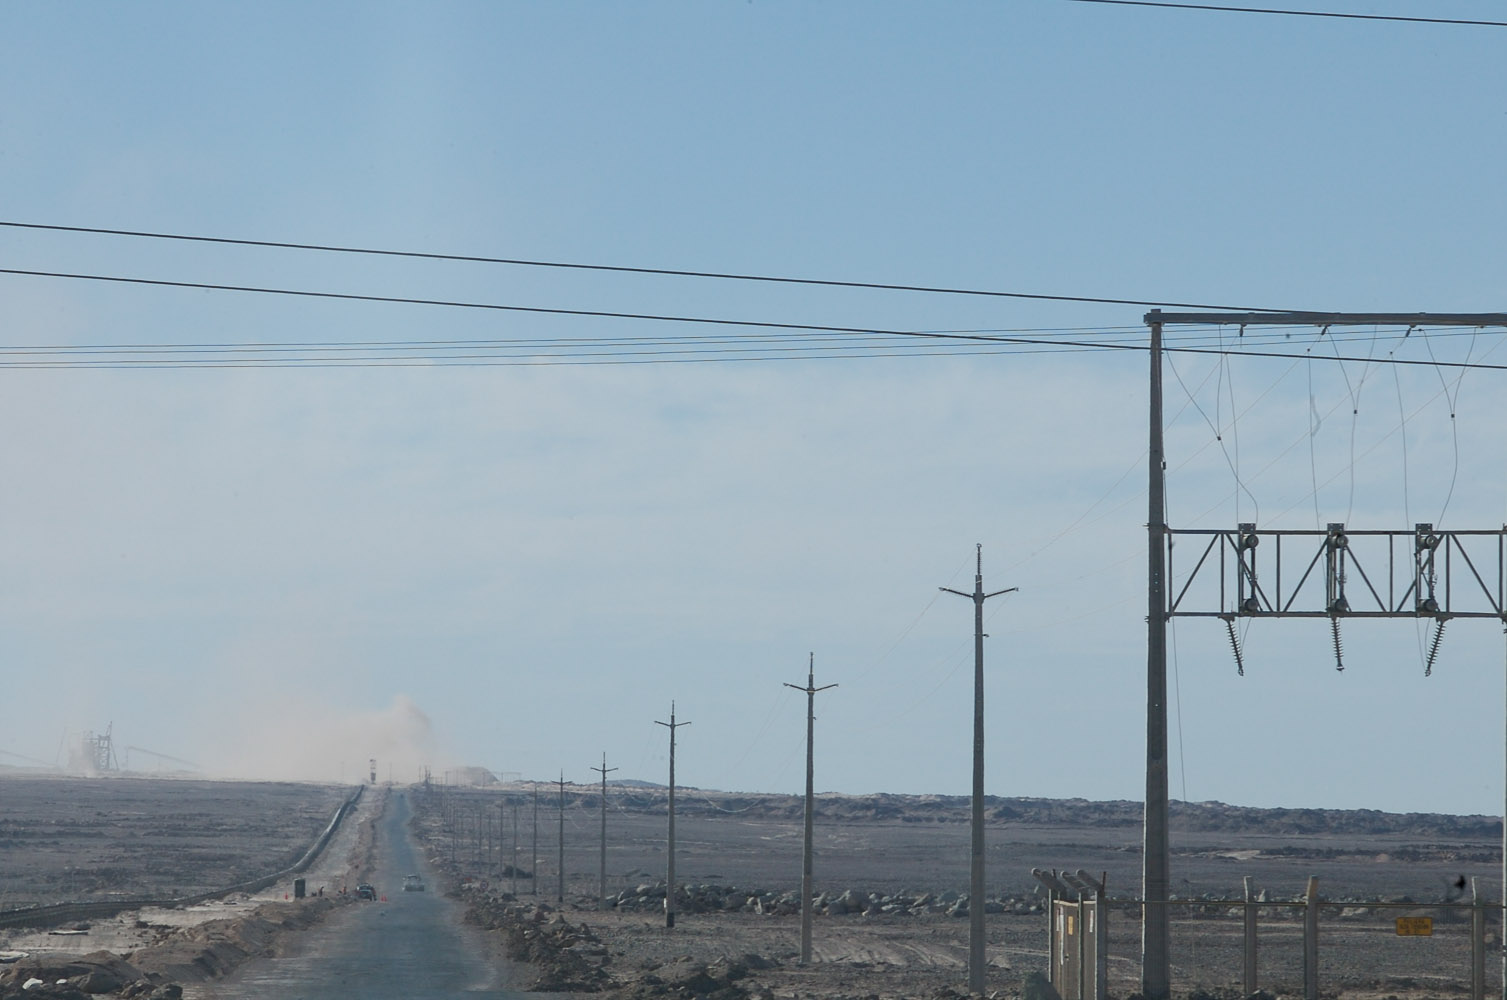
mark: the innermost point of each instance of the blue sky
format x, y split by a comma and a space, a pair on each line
282, 571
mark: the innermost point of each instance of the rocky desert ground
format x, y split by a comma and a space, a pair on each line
891, 875
102, 842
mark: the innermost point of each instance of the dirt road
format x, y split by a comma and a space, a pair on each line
402, 946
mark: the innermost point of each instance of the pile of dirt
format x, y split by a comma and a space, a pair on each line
210, 950
76, 977
571, 958
567, 958
686, 977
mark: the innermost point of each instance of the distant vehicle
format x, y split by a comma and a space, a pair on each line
412, 883
366, 891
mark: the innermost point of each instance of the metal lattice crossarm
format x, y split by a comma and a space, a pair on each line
1337, 572
1491, 319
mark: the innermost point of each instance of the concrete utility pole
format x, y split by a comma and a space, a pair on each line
534, 865
976, 959
1156, 856
602, 893
670, 873
806, 888
515, 846
560, 896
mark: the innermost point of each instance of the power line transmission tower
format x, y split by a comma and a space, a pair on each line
1419, 585
976, 870
560, 893
672, 725
604, 770
806, 887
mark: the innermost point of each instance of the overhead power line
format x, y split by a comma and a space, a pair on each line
796, 341
713, 343
620, 269
675, 350
967, 338
495, 306
1299, 13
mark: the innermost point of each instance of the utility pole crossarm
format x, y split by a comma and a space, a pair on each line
1007, 590
1422, 572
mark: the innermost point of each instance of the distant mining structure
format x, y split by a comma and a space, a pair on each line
94, 754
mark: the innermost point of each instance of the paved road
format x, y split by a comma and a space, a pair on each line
412, 947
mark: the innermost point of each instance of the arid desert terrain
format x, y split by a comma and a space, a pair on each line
891, 874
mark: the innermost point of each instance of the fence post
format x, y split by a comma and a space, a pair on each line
1249, 951
1101, 939
1084, 986
1055, 943
1477, 943
1311, 941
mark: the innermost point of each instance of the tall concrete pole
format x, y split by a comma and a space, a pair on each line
515, 847
806, 886
602, 888
670, 868
976, 958
534, 864
560, 896
1156, 858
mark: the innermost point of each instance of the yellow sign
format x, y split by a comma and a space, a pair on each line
1415, 926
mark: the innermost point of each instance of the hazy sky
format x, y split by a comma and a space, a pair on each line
283, 571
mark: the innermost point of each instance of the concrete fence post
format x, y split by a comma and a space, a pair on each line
1311, 941
1477, 943
1248, 953
1085, 914
1054, 940
1101, 939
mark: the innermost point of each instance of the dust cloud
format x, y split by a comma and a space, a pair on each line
302, 741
